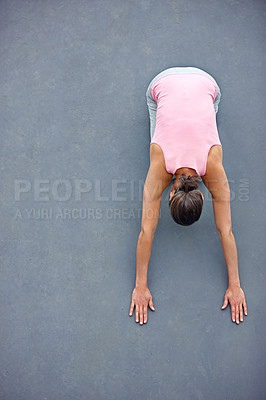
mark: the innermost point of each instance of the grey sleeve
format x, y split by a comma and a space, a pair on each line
152, 107
217, 99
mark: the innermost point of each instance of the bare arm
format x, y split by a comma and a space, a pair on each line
220, 191
156, 181
152, 194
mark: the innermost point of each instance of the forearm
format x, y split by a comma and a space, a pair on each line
230, 255
143, 256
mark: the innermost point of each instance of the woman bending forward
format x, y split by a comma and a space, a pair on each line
182, 104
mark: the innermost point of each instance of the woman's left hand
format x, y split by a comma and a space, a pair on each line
236, 298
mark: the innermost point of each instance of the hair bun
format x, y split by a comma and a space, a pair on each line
189, 183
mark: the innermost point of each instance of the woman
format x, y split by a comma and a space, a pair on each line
182, 103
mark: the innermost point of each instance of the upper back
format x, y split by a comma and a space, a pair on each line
185, 120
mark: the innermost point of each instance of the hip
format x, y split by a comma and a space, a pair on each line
176, 70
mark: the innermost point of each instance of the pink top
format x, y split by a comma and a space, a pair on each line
185, 120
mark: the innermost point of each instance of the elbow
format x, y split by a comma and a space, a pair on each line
147, 232
224, 232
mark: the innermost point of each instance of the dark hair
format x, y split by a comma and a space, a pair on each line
186, 203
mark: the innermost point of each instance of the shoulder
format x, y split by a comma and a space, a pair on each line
215, 178
214, 161
157, 161
157, 171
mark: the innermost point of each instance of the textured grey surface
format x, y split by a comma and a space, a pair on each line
73, 106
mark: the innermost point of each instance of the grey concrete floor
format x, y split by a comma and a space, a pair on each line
74, 156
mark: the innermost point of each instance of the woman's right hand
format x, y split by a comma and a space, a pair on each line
141, 298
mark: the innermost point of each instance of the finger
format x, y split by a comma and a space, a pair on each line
141, 315
131, 309
233, 311
241, 313
137, 313
151, 305
237, 314
145, 314
225, 303
245, 307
